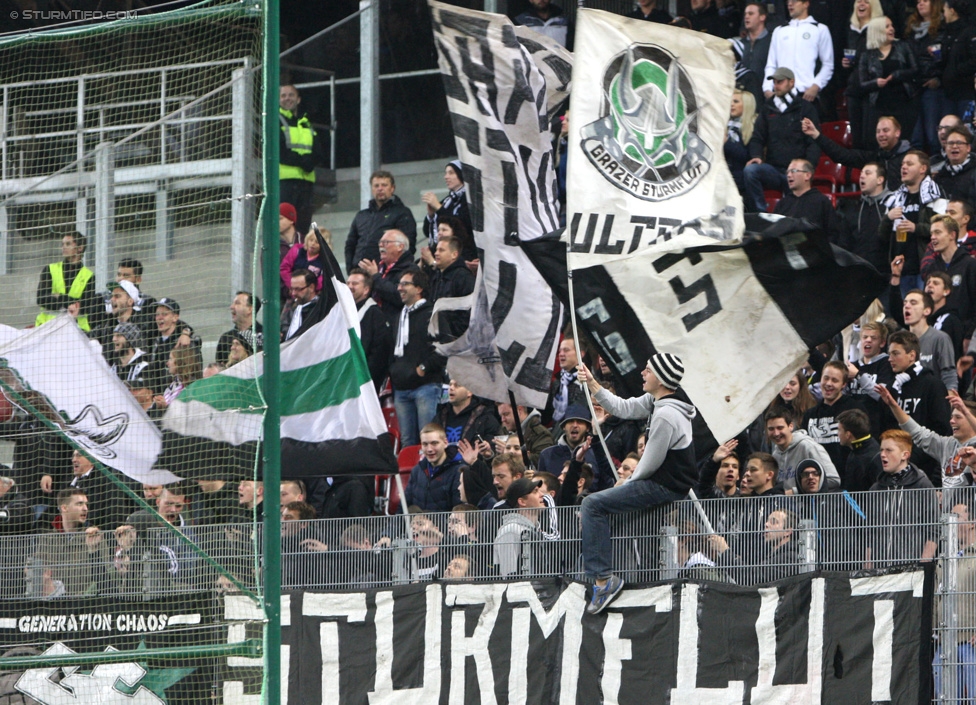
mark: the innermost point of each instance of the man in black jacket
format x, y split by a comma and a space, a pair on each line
395, 259
861, 217
466, 417
891, 147
451, 278
918, 391
385, 212
416, 370
906, 523
804, 201
375, 330
777, 139
957, 177
821, 420
863, 466
300, 151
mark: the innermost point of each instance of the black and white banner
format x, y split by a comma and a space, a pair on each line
742, 317
503, 85
650, 109
821, 638
66, 626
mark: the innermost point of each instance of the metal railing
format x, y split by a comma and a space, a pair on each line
740, 540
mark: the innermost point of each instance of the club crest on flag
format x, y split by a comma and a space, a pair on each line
646, 140
89, 428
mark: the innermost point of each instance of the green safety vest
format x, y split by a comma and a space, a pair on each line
299, 140
58, 287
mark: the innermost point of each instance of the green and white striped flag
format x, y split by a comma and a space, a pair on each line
331, 421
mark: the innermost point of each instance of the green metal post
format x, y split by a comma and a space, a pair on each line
272, 366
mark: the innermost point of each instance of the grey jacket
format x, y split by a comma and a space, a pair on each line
801, 448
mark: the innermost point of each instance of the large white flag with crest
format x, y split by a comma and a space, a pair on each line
649, 113
55, 372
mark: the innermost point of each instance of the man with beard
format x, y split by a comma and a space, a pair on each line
891, 147
577, 426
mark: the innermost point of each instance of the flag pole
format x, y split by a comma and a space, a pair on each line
518, 427
579, 359
271, 377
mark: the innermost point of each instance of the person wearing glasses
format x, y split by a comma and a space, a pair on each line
304, 294
958, 175
804, 201
395, 259
416, 370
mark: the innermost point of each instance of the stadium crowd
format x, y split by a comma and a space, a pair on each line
886, 405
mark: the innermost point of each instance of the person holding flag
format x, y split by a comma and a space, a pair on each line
664, 474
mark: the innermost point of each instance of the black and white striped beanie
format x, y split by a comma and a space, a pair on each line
668, 368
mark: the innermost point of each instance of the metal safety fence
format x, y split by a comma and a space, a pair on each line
740, 540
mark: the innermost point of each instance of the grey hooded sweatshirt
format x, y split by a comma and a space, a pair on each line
801, 448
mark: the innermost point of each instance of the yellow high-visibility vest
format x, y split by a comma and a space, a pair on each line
58, 287
298, 139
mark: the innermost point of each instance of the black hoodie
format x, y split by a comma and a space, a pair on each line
904, 521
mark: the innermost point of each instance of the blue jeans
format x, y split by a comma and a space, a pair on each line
933, 106
414, 409
595, 515
909, 282
965, 672
756, 178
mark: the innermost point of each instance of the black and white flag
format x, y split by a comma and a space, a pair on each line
650, 109
503, 85
742, 317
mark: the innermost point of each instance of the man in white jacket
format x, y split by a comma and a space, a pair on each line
665, 473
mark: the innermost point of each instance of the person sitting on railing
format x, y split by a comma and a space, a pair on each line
665, 473
905, 524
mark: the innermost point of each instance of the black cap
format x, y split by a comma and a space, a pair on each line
520, 488
576, 412
170, 304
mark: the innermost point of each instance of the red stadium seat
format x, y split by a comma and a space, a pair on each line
772, 198
839, 132
829, 172
406, 459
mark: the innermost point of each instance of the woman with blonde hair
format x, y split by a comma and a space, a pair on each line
742, 120
886, 73
857, 38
